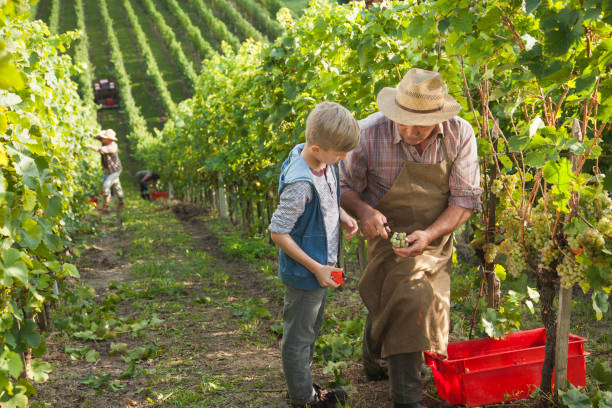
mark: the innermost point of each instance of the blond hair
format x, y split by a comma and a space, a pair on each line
332, 127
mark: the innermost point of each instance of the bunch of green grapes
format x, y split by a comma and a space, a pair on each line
490, 251
571, 272
516, 263
398, 240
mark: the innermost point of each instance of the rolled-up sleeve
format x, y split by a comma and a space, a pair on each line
464, 180
353, 170
109, 148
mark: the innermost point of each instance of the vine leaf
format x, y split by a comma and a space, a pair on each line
573, 398
602, 373
600, 303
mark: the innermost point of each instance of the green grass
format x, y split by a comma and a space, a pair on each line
188, 47
43, 11
142, 90
168, 68
297, 6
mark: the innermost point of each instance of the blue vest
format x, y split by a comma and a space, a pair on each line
309, 230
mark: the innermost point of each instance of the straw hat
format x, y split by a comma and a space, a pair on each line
107, 134
419, 100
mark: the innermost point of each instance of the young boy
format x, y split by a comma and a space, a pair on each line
306, 228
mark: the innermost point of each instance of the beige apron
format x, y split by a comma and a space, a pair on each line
409, 298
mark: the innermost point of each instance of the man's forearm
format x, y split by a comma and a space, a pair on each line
451, 219
354, 205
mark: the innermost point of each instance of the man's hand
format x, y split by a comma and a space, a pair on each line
94, 148
373, 225
349, 224
419, 240
323, 275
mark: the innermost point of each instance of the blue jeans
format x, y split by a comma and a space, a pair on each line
302, 319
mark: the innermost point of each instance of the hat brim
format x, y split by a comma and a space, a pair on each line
388, 107
103, 135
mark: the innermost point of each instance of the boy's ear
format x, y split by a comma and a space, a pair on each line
315, 148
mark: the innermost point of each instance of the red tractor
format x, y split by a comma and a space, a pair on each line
106, 94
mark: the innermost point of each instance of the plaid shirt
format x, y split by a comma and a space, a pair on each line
110, 158
371, 169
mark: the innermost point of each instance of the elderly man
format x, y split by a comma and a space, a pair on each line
415, 171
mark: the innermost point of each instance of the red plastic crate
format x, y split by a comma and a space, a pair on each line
489, 371
159, 194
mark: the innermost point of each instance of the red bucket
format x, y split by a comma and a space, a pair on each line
488, 371
159, 194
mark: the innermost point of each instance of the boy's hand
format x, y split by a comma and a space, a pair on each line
323, 275
349, 224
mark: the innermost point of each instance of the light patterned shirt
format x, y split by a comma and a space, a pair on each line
371, 169
293, 200
110, 158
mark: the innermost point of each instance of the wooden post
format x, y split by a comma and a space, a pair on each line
493, 284
170, 191
565, 305
222, 198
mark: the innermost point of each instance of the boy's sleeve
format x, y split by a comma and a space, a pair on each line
291, 206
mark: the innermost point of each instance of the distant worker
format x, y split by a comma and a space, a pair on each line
109, 152
146, 178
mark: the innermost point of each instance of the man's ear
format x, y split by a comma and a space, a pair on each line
315, 148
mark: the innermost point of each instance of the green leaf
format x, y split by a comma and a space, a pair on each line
10, 76
130, 371
39, 370
115, 385
290, 89
533, 294
531, 5
600, 303
94, 381
71, 270
500, 271
601, 372
29, 332
15, 364
34, 233
573, 398
54, 207
489, 321
518, 143
529, 304
29, 199
462, 21
586, 83
559, 173
17, 400
561, 30
92, 356
606, 400
535, 159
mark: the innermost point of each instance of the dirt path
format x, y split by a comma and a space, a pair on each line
171, 320
204, 354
